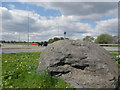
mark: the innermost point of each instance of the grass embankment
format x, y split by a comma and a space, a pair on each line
19, 71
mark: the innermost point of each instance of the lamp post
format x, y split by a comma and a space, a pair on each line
58, 29
19, 37
64, 35
28, 24
57, 24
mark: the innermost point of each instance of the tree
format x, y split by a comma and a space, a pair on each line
104, 39
61, 38
55, 39
88, 38
50, 40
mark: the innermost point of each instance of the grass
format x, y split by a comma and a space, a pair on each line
19, 71
114, 54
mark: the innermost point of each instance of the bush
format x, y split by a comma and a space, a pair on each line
55, 39
104, 39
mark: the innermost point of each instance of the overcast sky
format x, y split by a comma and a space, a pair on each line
46, 20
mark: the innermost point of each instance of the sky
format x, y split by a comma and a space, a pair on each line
45, 20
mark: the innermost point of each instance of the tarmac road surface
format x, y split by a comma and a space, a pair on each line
112, 48
12, 48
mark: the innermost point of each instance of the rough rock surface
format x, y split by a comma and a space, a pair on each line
82, 64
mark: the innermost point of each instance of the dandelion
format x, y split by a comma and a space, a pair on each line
117, 57
38, 86
11, 87
6, 61
9, 77
66, 87
29, 72
29, 66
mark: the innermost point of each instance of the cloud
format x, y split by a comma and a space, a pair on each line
11, 6
85, 10
74, 8
15, 23
62, 0
5, 13
17, 20
107, 26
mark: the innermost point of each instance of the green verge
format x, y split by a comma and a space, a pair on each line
19, 71
114, 54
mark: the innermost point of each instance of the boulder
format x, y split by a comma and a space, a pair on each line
82, 64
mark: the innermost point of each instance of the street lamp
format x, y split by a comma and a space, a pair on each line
28, 24
19, 37
64, 35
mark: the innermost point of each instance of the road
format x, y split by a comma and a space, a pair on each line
10, 48
111, 48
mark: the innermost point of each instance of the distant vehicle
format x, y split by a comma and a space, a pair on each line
45, 43
42, 43
34, 44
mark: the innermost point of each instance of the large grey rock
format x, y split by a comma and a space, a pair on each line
82, 64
